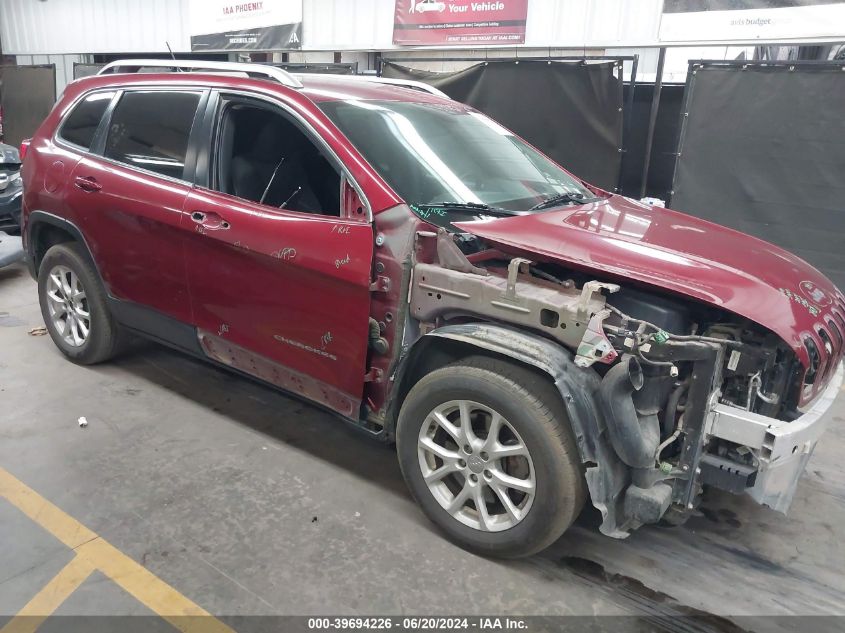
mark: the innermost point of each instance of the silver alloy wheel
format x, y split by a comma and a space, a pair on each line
476, 465
68, 306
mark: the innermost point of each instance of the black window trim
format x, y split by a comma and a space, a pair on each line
99, 142
61, 141
189, 169
207, 137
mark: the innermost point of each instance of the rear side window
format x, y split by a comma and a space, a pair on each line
79, 127
150, 130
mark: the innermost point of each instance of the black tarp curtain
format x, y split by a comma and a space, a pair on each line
662, 165
570, 111
762, 152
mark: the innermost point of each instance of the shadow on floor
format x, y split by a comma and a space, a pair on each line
581, 554
11, 273
264, 409
294, 422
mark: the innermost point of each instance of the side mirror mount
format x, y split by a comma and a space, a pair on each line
352, 204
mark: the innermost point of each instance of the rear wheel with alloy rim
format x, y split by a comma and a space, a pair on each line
73, 304
67, 304
486, 449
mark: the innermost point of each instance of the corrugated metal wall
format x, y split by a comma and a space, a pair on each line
338, 25
598, 24
29, 27
368, 24
556, 27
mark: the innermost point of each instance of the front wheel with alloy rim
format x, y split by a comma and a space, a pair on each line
486, 449
73, 304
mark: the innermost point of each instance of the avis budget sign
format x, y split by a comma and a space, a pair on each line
451, 22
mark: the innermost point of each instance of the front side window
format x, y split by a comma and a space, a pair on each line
81, 124
150, 130
264, 157
434, 153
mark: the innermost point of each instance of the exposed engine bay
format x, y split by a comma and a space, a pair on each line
664, 367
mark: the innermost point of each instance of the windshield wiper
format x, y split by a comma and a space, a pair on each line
470, 206
562, 198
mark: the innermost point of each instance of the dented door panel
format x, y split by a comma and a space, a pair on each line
291, 288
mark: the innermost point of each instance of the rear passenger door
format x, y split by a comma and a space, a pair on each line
127, 194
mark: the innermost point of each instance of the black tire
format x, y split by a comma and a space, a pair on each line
104, 337
532, 406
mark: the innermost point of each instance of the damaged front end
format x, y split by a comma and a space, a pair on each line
664, 396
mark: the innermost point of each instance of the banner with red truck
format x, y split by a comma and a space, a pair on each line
456, 22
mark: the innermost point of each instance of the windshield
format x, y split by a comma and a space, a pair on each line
435, 153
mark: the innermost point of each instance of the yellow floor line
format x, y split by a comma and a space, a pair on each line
65, 528
46, 601
90, 549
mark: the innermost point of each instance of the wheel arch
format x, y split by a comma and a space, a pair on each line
605, 474
453, 342
44, 230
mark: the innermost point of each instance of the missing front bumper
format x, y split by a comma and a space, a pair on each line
782, 448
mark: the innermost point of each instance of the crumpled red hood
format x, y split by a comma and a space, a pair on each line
675, 251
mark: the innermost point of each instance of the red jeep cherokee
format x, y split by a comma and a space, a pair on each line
404, 261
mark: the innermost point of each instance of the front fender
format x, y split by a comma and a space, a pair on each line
607, 477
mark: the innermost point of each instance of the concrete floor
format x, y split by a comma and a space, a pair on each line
249, 502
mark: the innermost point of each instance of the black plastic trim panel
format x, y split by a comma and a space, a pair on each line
155, 325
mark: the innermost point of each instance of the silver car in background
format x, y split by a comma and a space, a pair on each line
11, 189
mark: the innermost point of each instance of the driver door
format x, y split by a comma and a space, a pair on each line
283, 293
